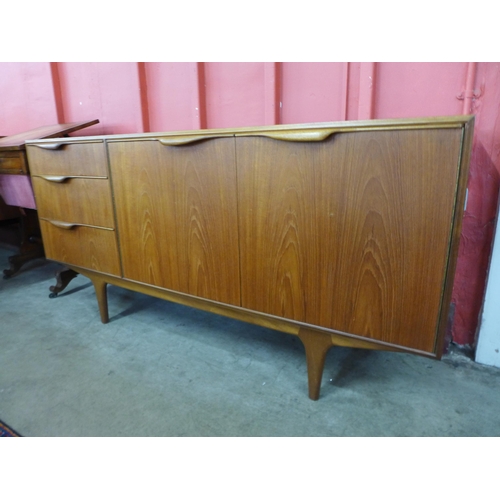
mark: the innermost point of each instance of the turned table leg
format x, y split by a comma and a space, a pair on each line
63, 279
102, 298
316, 345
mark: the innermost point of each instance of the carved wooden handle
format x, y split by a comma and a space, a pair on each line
54, 145
181, 141
55, 178
62, 225
292, 135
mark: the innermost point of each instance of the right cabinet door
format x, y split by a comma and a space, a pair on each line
351, 233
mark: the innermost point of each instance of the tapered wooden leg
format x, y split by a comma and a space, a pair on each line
102, 298
317, 345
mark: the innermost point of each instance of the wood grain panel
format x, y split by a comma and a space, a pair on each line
352, 233
13, 162
81, 200
83, 246
177, 216
69, 159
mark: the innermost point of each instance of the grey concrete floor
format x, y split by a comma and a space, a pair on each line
161, 369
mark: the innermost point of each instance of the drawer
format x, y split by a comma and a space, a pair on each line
83, 246
13, 162
80, 200
67, 158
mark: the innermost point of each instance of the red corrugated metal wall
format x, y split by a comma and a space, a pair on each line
143, 97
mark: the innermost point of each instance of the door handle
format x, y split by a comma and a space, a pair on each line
51, 146
182, 141
55, 178
61, 225
292, 135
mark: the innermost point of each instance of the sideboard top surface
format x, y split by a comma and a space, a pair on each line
328, 127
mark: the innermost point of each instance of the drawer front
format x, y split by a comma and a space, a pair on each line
80, 200
13, 162
82, 159
83, 246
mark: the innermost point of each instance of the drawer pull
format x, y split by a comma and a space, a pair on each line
52, 146
62, 225
55, 178
182, 141
71, 225
292, 135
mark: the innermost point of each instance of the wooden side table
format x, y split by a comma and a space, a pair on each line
16, 190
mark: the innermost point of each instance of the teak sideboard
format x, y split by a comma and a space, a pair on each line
341, 233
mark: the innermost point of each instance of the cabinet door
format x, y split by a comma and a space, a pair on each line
177, 215
351, 233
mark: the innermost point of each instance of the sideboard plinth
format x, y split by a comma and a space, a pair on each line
317, 341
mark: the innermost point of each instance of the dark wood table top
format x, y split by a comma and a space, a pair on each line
16, 142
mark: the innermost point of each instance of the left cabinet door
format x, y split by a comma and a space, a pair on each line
176, 210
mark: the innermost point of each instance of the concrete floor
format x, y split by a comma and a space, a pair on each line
160, 369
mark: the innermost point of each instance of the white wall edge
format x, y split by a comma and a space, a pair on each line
488, 344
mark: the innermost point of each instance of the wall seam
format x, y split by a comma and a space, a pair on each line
202, 101
366, 91
470, 81
143, 96
57, 91
345, 91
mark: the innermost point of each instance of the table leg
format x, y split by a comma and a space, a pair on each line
31, 243
63, 277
